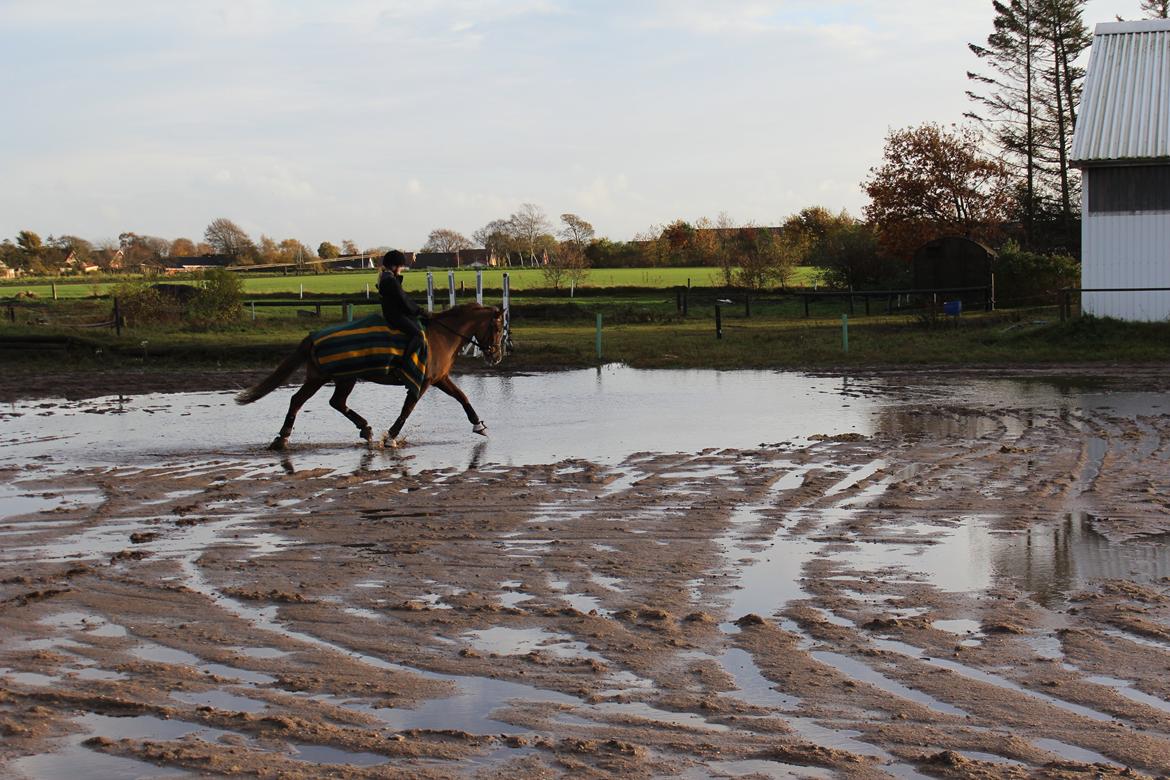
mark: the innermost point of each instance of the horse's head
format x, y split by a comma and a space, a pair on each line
489, 333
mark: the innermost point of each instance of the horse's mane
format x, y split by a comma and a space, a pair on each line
461, 310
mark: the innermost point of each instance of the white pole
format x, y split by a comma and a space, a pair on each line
430, 291
302, 291
507, 308
479, 286
367, 291
451, 287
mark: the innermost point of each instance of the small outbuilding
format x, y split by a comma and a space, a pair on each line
953, 263
1122, 146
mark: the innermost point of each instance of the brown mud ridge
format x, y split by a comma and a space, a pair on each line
970, 592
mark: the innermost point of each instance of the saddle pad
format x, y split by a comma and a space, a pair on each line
365, 349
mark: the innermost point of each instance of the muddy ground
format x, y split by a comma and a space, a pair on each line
967, 592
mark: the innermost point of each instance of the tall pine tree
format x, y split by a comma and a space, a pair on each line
1156, 9
1028, 101
1007, 106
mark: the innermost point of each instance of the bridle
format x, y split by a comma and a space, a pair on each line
473, 340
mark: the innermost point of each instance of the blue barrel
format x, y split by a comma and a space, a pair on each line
952, 308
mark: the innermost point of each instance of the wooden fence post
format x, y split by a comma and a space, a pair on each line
718, 321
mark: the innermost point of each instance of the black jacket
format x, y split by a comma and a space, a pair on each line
395, 302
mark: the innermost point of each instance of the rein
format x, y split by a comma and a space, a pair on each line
462, 339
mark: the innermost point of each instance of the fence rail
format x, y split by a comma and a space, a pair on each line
685, 296
1067, 293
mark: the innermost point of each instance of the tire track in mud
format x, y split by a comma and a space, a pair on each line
603, 598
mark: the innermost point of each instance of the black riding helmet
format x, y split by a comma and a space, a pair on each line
394, 258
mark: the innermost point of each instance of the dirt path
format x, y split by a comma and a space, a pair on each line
970, 592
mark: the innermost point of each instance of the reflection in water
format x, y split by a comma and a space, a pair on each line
477, 456
1051, 561
940, 424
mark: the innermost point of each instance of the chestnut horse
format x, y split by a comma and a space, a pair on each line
446, 333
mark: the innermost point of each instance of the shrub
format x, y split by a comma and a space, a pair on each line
1027, 278
140, 303
219, 299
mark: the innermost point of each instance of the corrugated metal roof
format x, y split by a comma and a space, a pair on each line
1125, 109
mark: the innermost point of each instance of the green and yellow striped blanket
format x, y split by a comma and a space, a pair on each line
365, 349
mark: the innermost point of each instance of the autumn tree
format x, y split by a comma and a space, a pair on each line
292, 251
228, 238
446, 240
141, 250
30, 243
328, 251
762, 257
933, 182
349, 248
182, 247
268, 250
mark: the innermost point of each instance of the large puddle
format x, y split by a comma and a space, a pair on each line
604, 417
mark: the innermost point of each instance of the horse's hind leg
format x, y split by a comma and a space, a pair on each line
448, 387
312, 384
337, 401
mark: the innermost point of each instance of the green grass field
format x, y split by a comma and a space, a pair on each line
355, 282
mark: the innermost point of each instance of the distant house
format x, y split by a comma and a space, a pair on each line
182, 265
1122, 145
6, 272
74, 264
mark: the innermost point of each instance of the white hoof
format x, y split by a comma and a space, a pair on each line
392, 443
480, 428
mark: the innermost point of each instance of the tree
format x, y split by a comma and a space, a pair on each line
446, 240
529, 226
496, 238
1066, 35
567, 264
228, 238
328, 251
142, 250
1010, 103
576, 230
849, 254
268, 250
183, 247
30, 244
932, 182
1027, 101
349, 248
1156, 9
761, 256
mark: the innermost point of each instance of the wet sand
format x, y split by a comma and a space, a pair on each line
967, 591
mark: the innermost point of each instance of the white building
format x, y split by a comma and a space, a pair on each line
1122, 144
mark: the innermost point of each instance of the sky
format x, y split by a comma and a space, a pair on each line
378, 121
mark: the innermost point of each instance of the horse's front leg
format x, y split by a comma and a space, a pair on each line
312, 384
407, 408
448, 387
340, 395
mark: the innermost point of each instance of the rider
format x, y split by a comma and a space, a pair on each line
399, 311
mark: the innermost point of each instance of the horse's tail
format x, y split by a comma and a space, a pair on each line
277, 377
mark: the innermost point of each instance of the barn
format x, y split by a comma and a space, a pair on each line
1122, 146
